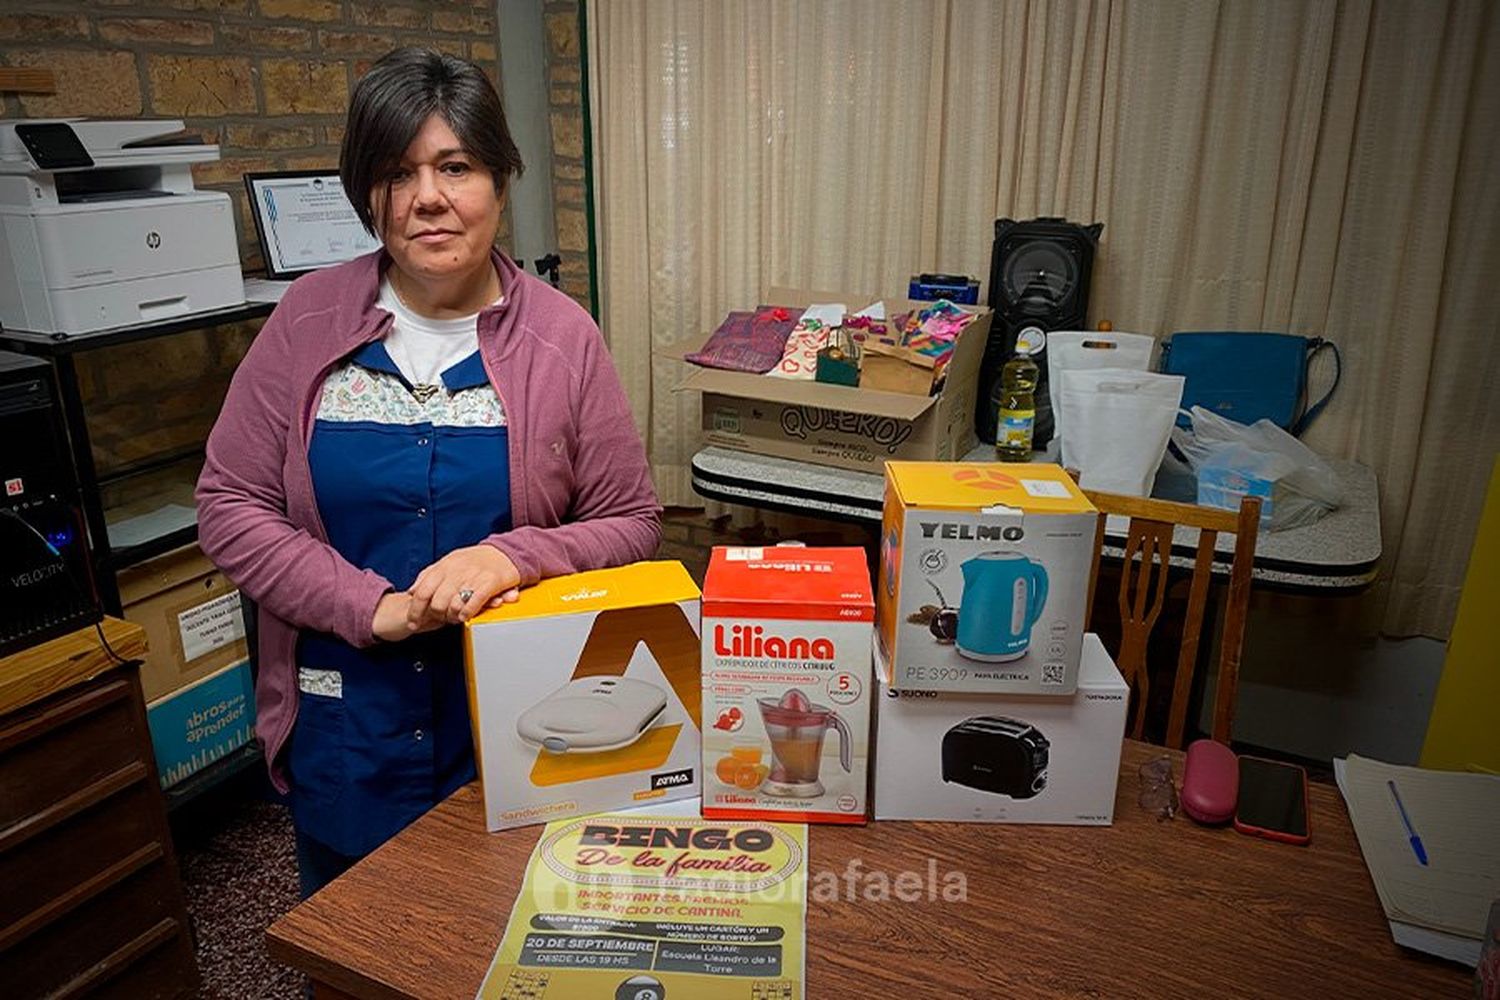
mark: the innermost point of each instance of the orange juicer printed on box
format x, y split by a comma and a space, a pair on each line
786, 635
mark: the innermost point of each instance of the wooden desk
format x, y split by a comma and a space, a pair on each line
1142, 908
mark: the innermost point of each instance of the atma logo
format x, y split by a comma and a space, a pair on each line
751, 640
670, 779
973, 532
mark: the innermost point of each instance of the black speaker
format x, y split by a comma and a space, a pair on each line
1039, 276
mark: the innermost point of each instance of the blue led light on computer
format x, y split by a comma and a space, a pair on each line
60, 537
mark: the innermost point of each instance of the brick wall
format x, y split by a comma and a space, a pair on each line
269, 81
565, 115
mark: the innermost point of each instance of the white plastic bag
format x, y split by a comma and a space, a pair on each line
1232, 460
1069, 350
1118, 423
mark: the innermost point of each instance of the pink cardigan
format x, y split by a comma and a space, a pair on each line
581, 493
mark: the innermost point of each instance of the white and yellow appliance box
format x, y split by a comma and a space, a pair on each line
984, 575
585, 694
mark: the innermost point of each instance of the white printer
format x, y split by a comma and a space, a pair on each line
103, 227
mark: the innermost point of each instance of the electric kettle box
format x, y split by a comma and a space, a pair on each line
584, 695
1003, 758
787, 684
984, 571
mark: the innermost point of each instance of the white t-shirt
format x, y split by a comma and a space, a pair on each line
424, 348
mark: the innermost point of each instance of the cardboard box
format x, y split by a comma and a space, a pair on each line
786, 684
851, 428
202, 722
988, 758
585, 695
983, 576
192, 617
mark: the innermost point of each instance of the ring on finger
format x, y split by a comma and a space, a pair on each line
466, 595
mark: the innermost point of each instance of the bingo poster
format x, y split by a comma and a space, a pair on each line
651, 908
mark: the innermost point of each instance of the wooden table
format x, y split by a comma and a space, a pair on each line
1142, 908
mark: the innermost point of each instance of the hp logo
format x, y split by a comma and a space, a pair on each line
153, 239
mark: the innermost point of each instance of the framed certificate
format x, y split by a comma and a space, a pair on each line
304, 221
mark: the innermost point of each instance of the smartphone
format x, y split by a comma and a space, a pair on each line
1272, 801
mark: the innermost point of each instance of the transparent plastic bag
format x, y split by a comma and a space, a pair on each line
1232, 460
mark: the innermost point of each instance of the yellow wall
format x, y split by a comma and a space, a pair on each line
1463, 732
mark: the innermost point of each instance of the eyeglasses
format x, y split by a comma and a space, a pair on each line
1158, 793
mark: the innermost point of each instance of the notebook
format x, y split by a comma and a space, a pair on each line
1440, 907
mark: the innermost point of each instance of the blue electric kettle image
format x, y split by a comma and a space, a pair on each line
1004, 593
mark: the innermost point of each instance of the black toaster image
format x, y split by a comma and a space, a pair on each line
995, 754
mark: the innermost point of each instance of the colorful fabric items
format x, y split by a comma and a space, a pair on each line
748, 341
800, 359
863, 328
933, 330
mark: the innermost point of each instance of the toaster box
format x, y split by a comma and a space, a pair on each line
984, 574
584, 694
787, 684
1003, 758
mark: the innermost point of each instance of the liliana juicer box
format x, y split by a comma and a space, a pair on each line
584, 694
984, 573
787, 684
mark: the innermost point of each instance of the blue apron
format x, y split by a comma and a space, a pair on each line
382, 733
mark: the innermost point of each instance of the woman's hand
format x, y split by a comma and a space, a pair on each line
391, 624
460, 585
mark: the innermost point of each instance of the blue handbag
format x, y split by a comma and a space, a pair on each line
1249, 376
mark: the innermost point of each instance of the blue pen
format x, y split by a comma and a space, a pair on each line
1416, 842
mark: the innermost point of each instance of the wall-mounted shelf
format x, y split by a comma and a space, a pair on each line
27, 80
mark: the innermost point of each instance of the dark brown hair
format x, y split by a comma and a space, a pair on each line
392, 101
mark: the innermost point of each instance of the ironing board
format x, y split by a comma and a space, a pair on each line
1338, 555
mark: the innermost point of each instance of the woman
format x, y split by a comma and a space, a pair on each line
412, 436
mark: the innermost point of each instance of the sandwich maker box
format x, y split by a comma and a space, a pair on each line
984, 572
996, 758
787, 684
584, 694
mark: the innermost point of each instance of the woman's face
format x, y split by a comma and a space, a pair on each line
443, 211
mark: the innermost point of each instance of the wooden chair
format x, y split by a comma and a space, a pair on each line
1143, 594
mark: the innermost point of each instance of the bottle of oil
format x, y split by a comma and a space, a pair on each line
1017, 408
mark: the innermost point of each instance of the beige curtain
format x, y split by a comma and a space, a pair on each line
1322, 168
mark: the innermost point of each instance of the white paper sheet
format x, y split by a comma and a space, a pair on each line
1440, 907
154, 524
829, 314
210, 625
263, 290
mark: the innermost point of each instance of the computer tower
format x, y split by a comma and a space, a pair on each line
46, 585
